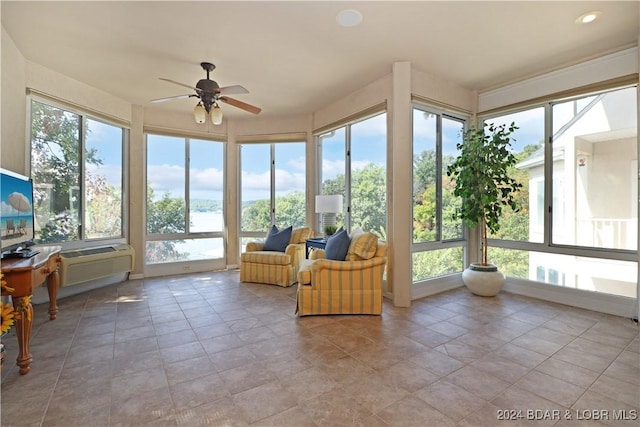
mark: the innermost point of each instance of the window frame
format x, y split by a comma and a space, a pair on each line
347, 124
438, 244
167, 267
84, 115
273, 164
547, 246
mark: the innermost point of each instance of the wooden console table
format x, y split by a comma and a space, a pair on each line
24, 275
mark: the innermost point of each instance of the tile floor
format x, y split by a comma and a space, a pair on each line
204, 349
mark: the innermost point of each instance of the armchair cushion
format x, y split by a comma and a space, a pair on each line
337, 246
277, 240
300, 235
363, 246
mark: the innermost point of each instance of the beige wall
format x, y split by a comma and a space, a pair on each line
13, 123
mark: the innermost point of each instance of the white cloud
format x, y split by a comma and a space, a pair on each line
299, 164
166, 179
7, 210
256, 181
290, 181
207, 179
332, 168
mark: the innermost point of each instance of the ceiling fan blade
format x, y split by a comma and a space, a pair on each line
239, 104
233, 90
180, 84
169, 98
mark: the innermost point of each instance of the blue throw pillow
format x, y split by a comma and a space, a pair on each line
337, 246
278, 240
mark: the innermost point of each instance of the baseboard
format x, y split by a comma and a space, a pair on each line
595, 301
435, 286
233, 267
137, 276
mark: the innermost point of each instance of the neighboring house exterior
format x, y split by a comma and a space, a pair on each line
593, 194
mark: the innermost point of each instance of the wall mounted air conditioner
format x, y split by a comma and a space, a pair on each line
84, 265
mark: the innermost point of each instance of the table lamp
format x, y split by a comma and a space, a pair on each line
327, 207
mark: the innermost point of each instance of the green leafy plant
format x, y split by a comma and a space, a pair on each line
481, 178
329, 230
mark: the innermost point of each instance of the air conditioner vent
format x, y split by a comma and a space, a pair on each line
85, 252
84, 265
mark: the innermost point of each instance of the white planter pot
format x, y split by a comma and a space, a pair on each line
483, 280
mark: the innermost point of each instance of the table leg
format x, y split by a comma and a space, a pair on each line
53, 282
24, 319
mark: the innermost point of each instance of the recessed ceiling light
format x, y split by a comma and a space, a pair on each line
588, 17
349, 18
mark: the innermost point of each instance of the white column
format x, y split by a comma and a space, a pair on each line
401, 160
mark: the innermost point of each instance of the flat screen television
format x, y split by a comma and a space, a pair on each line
16, 215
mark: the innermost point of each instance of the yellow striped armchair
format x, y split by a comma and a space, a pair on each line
274, 268
341, 287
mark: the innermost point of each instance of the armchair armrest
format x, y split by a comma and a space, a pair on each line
293, 248
254, 246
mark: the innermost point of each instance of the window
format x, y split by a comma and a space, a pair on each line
581, 232
594, 146
353, 163
526, 224
77, 171
437, 237
185, 199
272, 187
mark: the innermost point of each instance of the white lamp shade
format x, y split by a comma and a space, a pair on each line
200, 114
329, 204
216, 115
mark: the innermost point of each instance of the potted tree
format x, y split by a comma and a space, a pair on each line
480, 173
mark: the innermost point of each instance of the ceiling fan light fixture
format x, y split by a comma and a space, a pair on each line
199, 113
216, 115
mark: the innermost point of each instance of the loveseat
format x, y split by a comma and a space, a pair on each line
274, 267
352, 286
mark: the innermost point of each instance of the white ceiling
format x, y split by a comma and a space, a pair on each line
293, 56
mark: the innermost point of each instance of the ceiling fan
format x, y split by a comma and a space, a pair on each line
209, 93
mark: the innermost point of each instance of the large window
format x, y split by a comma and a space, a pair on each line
577, 225
437, 238
353, 164
185, 199
272, 187
594, 166
77, 172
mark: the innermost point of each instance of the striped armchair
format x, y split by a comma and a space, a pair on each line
274, 268
341, 287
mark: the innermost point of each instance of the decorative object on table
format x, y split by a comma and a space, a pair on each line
330, 230
482, 181
274, 267
328, 206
